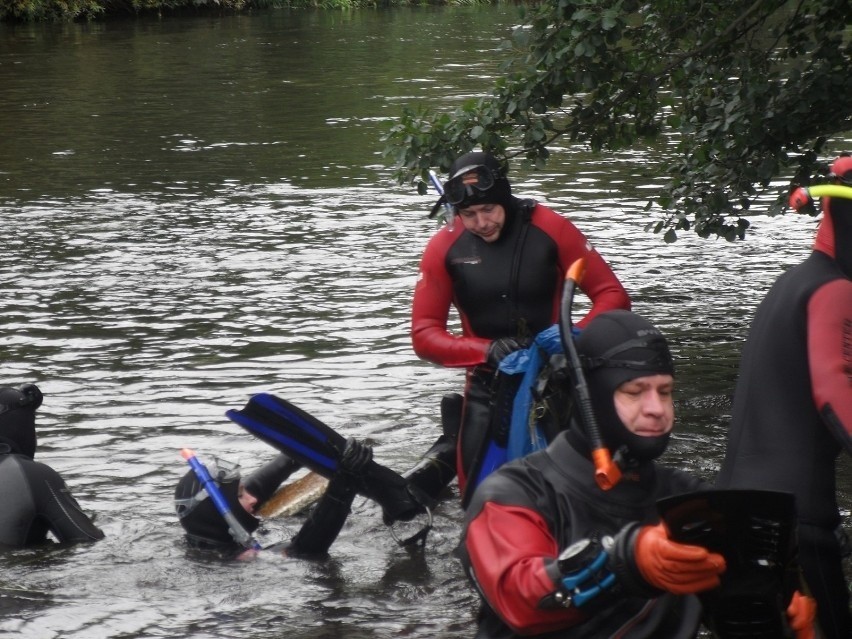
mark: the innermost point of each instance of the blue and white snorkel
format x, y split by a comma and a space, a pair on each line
449, 210
236, 530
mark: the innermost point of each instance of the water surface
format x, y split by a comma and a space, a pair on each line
195, 210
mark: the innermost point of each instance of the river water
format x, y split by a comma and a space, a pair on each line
196, 209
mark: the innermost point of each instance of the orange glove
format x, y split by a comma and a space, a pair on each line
801, 613
673, 567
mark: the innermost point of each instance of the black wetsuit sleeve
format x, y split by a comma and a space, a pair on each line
57, 508
263, 482
326, 519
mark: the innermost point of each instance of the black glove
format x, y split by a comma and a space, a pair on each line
263, 482
355, 457
501, 347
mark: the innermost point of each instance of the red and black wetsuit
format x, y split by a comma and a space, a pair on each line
792, 413
527, 511
508, 288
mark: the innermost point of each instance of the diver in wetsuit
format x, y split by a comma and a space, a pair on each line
501, 263
206, 529
792, 413
556, 556
34, 500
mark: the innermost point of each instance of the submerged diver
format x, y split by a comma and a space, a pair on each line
500, 261
206, 528
34, 500
554, 555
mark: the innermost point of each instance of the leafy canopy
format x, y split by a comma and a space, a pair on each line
751, 89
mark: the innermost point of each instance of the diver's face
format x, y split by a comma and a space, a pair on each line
645, 405
247, 500
484, 220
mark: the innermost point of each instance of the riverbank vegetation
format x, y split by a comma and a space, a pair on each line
753, 90
65, 10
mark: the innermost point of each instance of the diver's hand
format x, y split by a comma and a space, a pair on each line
673, 567
502, 347
801, 614
248, 554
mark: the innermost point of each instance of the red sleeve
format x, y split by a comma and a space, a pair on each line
433, 295
508, 547
599, 283
830, 356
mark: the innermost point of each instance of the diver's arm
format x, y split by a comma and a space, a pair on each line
430, 310
512, 560
263, 482
325, 520
599, 282
829, 318
58, 508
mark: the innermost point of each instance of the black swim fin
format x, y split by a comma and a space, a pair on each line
755, 530
319, 447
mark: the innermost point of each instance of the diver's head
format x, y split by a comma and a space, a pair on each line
204, 525
838, 211
629, 372
841, 170
478, 178
480, 194
17, 418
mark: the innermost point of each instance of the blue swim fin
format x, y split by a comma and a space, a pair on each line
292, 431
319, 447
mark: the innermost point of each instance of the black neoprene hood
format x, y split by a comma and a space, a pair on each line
616, 347
202, 521
500, 193
17, 418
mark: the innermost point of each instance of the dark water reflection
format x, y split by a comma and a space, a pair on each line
195, 210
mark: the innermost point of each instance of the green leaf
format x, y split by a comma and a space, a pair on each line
742, 115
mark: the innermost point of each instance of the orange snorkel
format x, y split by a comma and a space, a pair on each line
607, 472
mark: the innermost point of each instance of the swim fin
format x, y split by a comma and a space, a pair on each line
292, 431
319, 447
755, 530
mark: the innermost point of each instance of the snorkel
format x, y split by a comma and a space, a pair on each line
449, 211
236, 530
607, 472
802, 199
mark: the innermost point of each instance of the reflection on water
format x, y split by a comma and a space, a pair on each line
194, 211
